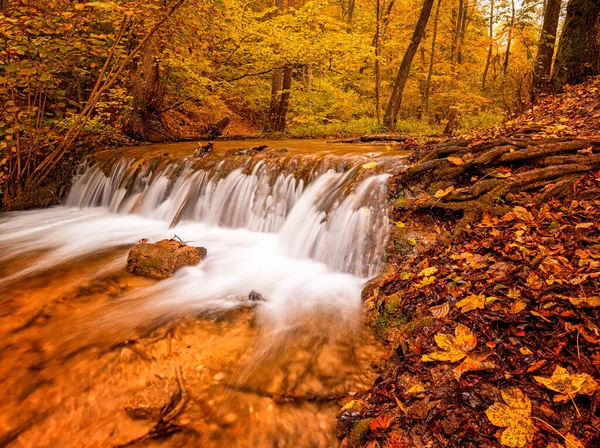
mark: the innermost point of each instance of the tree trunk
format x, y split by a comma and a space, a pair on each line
377, 44
509, 39
490, 48
147, 90
351, 4
463, 31
578, 54
281, 83
543, 63
431, 61
391, 112
456, 36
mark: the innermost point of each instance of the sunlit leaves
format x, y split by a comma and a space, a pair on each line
568, 385
454, 348
514, 416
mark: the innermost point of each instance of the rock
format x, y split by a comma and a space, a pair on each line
161, 259
256, 297
150, 403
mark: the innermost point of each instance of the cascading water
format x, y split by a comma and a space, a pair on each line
305, 229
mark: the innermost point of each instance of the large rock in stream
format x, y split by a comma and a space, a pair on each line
161, 259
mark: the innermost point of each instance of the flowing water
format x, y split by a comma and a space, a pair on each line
304, 226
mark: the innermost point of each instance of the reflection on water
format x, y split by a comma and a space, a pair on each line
80, 336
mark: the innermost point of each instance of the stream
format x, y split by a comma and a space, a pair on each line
89, 351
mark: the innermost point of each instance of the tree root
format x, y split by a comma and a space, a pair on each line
552, 166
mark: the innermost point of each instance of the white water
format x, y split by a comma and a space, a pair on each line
304, 248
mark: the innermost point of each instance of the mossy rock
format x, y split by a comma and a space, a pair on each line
161, 259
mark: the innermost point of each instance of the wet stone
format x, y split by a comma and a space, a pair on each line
161, 259
150, 403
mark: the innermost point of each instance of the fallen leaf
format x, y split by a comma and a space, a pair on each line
568, 385
369, 165
517, 306
573, 442
380, 423
472, 302
514, 416
427, 272
426, 281
440, 311
522, 213
474, 362
416, 389
441, 193
455, 160
454, 347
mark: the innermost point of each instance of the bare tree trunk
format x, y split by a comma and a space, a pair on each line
509, 39
458, 13
431, 61
490, 48
377, 44
578, 53
281, 84
351, 5
147, 90
543, 64
463, 32
391, 112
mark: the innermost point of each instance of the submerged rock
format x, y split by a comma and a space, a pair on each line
161, 259
151, 402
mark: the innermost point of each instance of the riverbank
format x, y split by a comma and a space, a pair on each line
490, 299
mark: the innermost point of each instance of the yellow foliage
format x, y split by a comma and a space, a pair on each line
454, 347
514, 416
568, 385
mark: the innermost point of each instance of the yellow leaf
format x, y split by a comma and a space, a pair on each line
585, 301
514, 416
441, 193
455, 160
455, 347
568, 385
369, 165
472, 302
426, 281
428, 272
500, 174
517, 306
416, 389
573, 442
525, 351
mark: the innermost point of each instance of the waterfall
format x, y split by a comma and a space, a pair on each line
330, 217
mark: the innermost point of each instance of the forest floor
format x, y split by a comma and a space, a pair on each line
491, 297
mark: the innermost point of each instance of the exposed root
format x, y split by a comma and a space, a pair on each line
515, 165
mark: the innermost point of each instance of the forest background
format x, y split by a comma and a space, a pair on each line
81, 75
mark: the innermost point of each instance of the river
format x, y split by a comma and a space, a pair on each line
87, 347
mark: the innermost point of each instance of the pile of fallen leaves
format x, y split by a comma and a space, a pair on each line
497, 334
492, 294
574, 112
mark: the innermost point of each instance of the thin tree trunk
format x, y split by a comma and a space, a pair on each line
147, 89
458, 14
377, 43
463, 32
431, 61
391, 112
351, 5
509, 39
578, 53
490, 48
543, 64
